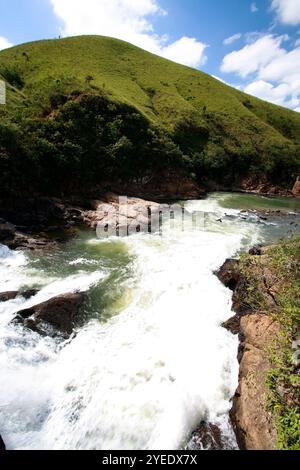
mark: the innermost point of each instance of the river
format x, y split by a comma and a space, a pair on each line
152, 360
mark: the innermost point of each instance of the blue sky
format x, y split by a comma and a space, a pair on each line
254, 46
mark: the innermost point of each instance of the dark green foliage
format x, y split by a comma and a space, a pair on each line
12, 76
88, 140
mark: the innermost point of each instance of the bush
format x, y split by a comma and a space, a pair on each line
13, 76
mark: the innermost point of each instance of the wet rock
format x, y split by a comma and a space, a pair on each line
256, 251
6, 296
2, 445
57, 316
207, 437
11, 295
233, 324
7, 231
253, 425
229, 274
27, 294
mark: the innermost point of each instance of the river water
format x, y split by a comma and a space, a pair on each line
151, 360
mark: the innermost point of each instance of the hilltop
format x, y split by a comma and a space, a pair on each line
87, 109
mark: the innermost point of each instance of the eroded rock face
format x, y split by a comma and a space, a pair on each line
253, 424
57, 316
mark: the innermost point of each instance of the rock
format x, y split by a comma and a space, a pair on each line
296, 188
233, 324
29, 293
253, 425
6, 231
5, 296
2, 445
229, 273
207, 437
256, 251
57, 316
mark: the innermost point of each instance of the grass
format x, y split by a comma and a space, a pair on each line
162, 90
211, 122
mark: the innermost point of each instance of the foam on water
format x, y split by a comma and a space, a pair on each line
147, 377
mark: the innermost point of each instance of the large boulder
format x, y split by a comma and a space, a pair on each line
57, 316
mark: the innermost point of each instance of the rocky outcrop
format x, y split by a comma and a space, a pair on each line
121, 215
253, 185
208, 436
296, 188
253, 424
229, 274
57, 316
11, 295
42, 223
2, 445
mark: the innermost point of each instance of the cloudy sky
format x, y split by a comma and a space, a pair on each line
254, 46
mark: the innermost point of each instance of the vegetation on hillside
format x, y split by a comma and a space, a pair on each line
87, 109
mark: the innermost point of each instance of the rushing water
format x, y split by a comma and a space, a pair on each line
152, 360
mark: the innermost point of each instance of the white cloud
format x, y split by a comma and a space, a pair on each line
129, 20
232, 39
253, 7
288, 11
186, 50
253, 56
276, 70
266, 91
297, 109
284, 68
4, 43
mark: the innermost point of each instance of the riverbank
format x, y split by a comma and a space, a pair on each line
41, 223
265, 412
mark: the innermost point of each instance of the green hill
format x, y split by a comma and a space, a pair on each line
88, 108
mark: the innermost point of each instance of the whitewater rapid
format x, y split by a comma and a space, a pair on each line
144, 376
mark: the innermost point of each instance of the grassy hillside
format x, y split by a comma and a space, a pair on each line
216, 131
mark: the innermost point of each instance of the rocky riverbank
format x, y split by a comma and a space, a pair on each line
258, 282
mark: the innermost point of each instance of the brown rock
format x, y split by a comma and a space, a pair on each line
5, 296
229, 273
296, 188
207, 437
56, 316
253, 424
256, 251
233, 325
